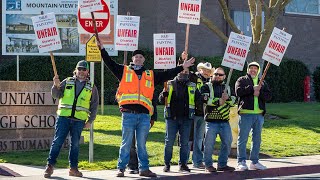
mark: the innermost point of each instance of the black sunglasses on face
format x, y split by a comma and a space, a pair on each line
217, 74
81, 69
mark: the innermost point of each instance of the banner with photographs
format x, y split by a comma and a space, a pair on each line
18, 36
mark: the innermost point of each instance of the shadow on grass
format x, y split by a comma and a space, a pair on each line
153, 136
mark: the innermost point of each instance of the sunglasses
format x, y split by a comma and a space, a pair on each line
217, 74
81, 69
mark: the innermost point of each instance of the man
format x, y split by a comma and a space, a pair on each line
251, 109
198, 127
133, 165
134, 96
179, 114
78, 105
217, 110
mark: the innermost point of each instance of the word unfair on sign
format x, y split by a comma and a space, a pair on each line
164, 50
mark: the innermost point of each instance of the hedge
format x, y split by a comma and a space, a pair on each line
285, 81
316, 83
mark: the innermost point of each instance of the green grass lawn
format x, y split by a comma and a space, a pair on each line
296, 135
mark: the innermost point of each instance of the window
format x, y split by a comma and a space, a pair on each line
304, 7
242, 20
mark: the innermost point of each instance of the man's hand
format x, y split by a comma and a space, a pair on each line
151, 123
256, 93
188, 63
87, 125
100, 45
56, 81
184, 55
256, 88
225, 96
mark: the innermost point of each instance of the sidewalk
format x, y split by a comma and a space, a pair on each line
276, 167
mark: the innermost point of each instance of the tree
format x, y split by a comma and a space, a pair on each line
260, 36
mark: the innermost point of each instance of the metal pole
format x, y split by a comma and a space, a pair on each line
18, 67
91, 128
102, 88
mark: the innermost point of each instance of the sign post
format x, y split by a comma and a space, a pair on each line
275, 49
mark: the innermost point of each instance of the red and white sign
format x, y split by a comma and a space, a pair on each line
47, 34
189, 11
277, 46
164, 50
237, 51
127, 33
102, 18
90, 5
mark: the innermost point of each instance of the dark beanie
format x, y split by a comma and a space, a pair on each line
138, 51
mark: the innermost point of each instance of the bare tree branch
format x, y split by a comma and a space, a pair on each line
252, 8
285, 3
272, 3
227, 17
266, 8
213, 28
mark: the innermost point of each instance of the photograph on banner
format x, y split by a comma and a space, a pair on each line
277, 46
47, 34
164, 47
18, 36
90, 5
236, 51
127, 33
189, 11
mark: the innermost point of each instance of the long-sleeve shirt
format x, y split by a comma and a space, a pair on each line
159, 77
94, 102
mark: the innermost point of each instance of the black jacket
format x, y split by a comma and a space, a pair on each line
199, 104
159, 77
244, 91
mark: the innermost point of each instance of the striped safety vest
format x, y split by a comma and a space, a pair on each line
133, 90
72, 106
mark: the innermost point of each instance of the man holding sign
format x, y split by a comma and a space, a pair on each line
251, 109
134, 96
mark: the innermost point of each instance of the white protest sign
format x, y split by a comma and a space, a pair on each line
236, 51
90, 5
164, 50
47, 34
127, 33
277, 46
189, 11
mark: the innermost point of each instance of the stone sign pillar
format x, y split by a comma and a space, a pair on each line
27, 115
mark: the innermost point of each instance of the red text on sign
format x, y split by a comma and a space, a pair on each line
277, 46
43, 33
127, 33
237, 51
190, 7
164, 51
89, 23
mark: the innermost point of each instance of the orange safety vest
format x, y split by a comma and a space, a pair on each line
134, 91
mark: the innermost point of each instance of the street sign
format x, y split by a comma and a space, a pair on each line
92, 50
102, 18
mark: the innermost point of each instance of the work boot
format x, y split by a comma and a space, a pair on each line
75, 172
210, 169
49, 171
226, 168
184, 168
166, 168
120, 173
147, 173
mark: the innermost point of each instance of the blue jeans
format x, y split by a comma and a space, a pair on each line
198, 135
64, 126
246, 123
224, 131
183, 126
138, 124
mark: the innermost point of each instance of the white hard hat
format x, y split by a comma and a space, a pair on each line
205, 65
